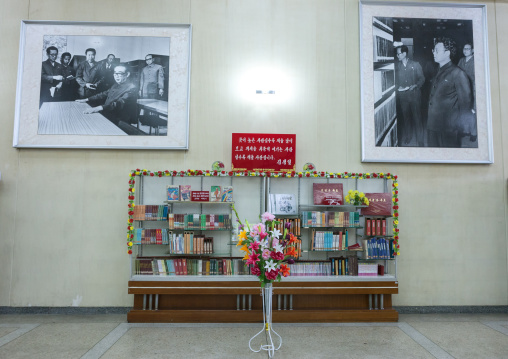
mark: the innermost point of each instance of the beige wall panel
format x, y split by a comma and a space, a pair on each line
63, 213
12, 12
149, 11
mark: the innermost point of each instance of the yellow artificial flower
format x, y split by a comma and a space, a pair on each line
129, 244
356, 191
131, 228
367, 201
362, 194
133, 190
395, 185
245, 249
137, 173
347, 198
246, 257
381, 174
367, 174
393, 199
396, 222
350, 191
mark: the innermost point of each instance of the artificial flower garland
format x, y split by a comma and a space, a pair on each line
290, 174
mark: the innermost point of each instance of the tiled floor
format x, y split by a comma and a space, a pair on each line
110, 336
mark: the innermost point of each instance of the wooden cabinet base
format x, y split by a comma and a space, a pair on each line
240, 302
255, 316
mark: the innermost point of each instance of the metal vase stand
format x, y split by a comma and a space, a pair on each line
266, 294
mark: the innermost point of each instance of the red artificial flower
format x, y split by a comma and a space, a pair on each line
272, 275
353, 174
322, 174
230, 173
396, 230
368, 176
132, 236
396, 192
395, 177
129, 205
129, 251
299, 175
130, 220
359, 174
307, 174
278, 256
131, 213
151, 174
255, 270
396, 214
339, 176
144, 173
374, 175
131, 198
388, 174
345, 173
396, 237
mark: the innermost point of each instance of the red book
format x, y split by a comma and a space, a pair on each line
383, 227
184, 266
378, 227
327, 194
367, 224
380, 204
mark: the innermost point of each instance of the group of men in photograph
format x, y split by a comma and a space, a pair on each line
105, 84
451, 110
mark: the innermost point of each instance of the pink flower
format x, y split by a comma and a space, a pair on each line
255, 270
278, 256
272, 275
275, 242
267, 216
257, 228
266, 254
253, 258
254, 246
262, 235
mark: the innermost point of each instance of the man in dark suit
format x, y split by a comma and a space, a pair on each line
107, 68
88, 75
51, 76
450, 113
119, 102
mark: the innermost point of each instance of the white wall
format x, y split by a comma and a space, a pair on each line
63, 212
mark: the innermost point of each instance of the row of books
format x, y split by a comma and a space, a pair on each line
378, 248
190, 266
329, 241
147, 212
344, 265
294, 225
199, 221
190, 243
185, 193
375, 227
330, 219
152, 236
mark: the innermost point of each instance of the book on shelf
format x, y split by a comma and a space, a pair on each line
185, 192
380, 204
173, 192
215, 194
227, 194
282, 204
329, 194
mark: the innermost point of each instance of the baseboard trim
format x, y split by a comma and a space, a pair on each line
64, 310
459, 309
471, 309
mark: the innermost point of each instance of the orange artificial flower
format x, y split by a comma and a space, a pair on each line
292, 238
291, 252
245, 248
284, 269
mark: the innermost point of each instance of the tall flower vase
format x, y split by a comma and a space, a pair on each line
266, 293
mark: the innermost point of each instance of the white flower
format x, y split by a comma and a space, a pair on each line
270, 265
263, 244
276, 233
277, 248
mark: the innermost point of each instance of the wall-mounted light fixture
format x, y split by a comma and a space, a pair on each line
265, 92
265, 80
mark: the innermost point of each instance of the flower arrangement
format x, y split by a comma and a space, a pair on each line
356, 198
264, 250
289, 174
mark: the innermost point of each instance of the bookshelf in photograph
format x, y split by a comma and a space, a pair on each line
385, 108
186, 267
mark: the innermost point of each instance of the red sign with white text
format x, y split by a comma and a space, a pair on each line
263, 152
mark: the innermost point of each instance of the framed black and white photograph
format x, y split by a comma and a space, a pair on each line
103, 85
425, 91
